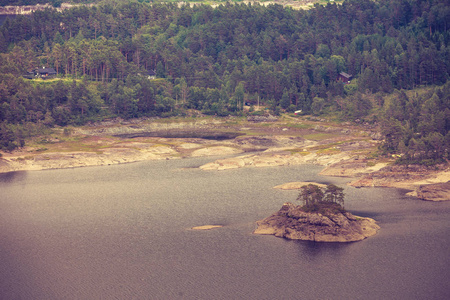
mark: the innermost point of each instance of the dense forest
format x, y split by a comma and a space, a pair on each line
215, 60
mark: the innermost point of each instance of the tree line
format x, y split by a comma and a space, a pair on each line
418, 127
318, 199
216, 59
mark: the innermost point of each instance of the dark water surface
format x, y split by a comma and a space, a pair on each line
122, 232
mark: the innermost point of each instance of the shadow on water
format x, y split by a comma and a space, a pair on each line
317, 249
365, 214
10, 177
319, 252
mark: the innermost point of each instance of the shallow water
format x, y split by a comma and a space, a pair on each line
122, 232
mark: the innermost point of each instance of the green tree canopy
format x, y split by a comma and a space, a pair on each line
312, 196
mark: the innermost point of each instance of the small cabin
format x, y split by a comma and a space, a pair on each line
344, 77
44, 72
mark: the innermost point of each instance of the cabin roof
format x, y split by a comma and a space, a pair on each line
343, 74
45, 71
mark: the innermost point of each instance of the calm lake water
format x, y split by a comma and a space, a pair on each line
122, 232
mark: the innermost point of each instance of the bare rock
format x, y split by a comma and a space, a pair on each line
292, 222
214, 151
434, 192
231, 163
365, 181
206, 227
345, 169
377, 136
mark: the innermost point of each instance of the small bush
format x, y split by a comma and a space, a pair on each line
67, 131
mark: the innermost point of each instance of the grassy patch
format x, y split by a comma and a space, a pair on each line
40, 81
250, 132
330, 148
299, 151
328, 151
371, 163
373, 155
363, 152
268, 125
318, 136
299, 126
178, 120
79, 148
69, 139
70, 144
160, 145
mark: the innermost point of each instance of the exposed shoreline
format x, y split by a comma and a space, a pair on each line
343, 150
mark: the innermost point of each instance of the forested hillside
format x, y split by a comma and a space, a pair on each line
216, 59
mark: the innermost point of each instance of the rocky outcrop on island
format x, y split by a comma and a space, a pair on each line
292, 222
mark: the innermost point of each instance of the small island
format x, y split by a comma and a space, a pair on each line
321, 218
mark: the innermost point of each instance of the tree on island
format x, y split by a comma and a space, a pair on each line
315, 198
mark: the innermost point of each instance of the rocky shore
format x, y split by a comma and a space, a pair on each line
343, 150
433, 192
292, 222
